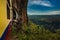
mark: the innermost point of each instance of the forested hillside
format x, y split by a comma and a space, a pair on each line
35, 32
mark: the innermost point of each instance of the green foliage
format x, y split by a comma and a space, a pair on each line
36, 32
13, 31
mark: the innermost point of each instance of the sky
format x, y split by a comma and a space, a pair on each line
43, 7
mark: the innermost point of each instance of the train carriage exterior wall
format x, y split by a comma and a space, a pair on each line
11, 10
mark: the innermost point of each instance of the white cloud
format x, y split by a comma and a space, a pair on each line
40, 2
53, 13
46, 13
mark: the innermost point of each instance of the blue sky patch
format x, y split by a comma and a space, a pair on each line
44, 7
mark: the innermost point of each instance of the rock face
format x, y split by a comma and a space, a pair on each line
20, 8
19, 11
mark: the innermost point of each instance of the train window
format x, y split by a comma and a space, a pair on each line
8, 9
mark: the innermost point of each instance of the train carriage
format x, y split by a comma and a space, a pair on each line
12, 10
5, 20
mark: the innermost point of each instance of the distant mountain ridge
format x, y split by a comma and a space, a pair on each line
51, 22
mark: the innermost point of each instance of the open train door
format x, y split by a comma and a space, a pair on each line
5, 20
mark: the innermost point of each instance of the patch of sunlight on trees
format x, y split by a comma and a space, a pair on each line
36, 32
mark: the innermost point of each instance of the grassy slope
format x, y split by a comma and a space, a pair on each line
35, 32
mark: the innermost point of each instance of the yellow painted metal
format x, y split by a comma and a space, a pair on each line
3, 17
